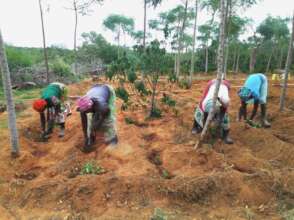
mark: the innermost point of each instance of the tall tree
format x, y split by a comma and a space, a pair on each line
117, 24
287, 67
212, 6
273, 30
220, 68
154, 3
80, 7
44, 43
180, 40
9, 99
194, 42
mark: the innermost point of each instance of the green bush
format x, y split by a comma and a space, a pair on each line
132, 75
60, 68
140, 87
184, 84
168, 100
122, 93
156, 113
172, 77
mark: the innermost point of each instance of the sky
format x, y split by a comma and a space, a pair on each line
21, 26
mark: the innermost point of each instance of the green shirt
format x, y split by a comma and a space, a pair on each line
50, 91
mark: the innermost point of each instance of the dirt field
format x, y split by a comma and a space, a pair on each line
154, 166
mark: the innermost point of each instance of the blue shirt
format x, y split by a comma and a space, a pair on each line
254, 82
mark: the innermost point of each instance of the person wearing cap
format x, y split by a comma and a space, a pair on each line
254, 91
97, 110
53, 99
221, 115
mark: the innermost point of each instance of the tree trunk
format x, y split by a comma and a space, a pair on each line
44, 44
153, 104
269, 61
193, 47
9, 100
144, 37
237, 62
175, 64
180, 41
75, 36
252, 59
287, 67
228, 16
220, 68
281, 58
206, 57
206, 45
145, 21
235, 58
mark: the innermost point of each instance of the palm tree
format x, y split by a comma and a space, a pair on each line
9, 100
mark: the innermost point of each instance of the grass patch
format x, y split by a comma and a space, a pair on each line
158, 215
22, 94
288, 215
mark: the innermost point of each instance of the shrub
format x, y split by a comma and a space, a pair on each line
155, 113
122, 94
140, 87
172, 77
168, 100
184, 84
131, 75
60, 68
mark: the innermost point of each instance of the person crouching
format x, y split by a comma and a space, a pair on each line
97, 111
53, 99
220, 116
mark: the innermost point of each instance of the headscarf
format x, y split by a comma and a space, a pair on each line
39, 105
245, 94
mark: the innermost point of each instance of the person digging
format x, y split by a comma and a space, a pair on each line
52, 99
97, 111
221, 116
254, 91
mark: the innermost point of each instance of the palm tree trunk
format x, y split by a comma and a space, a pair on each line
287, 67
220, 68
75, 36
44, 44
9, 100
194, 41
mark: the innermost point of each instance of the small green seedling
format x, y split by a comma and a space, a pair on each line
253, 124
92, 168
166, 99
